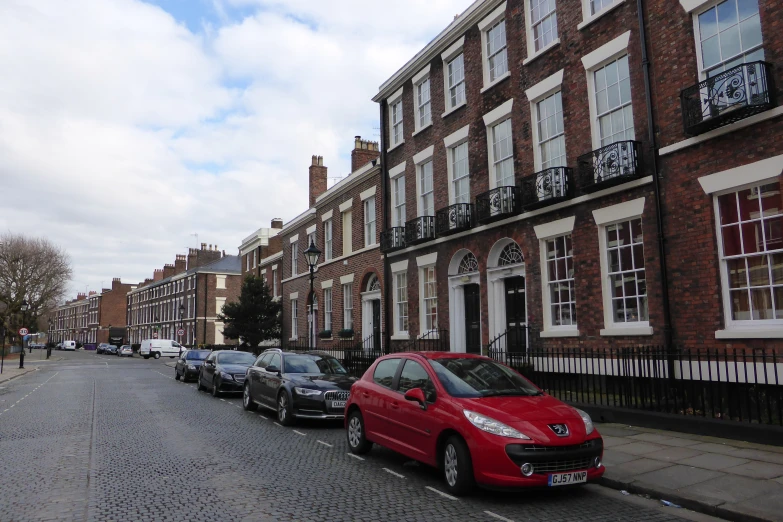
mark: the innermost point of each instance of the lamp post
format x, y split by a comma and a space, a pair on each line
49, 339
311, 256
23, 307
181, 311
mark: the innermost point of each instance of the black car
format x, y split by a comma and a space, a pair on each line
111, 349
312, 385
189, 363
224, 371
102, 348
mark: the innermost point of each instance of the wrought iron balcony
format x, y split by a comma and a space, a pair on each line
547, 187
498, 203
730, 96
393, 239
611, 165
453, 218
419, 230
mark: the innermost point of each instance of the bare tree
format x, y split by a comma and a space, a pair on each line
31, 269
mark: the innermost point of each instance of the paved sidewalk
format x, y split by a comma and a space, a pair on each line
14, 371
726, 478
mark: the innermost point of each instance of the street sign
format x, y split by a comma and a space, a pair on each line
23, 331
154, 335
180, 332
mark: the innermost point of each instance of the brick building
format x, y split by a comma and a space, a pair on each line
343, 221
259, 245
70, 320
523, 202
188, 294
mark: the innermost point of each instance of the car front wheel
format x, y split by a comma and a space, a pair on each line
284, 416
200, 386
247, 401
176, 374
216, 388
357, 442
457, 466
157, 355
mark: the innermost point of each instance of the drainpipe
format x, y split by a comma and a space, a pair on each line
389, 284
206, 291
667, 328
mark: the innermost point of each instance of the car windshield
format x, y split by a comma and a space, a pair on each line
198, 355
308, 363
472, 377
236, 358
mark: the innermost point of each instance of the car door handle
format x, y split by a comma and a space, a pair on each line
395, 405
365, 395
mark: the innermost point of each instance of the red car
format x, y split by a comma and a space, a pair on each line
477, 420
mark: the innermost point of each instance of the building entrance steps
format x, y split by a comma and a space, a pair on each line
726, 478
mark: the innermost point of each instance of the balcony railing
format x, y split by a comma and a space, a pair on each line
547, 187
498, 203
419, 230
453, 218
610, 165
393, 239
727, 97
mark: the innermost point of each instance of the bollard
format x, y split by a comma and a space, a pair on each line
21, 359
48, 352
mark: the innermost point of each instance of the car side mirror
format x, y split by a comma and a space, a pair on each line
416, 395
273, 369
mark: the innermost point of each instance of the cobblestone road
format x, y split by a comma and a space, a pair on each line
102, 438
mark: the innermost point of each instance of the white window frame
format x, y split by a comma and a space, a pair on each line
593, 61
588, 17
452, 142
392, 102
370, 219
294, 259
255, 258
485, 25
274, 281
398, 269
328, 240
448, 56
426, 264
347, 306
421, 79
544, 233
536, 94
399, 202
328, 309
420, 160
347, 241
491, 119
605, 217
532, 53
294, 319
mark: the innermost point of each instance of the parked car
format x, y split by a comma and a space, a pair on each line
125, 349
111, 349
101, 348
224, 371
158, 348
310, 385
58, 346
189, 363
477, 420
69, 345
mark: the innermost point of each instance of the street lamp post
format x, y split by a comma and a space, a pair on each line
24, 307
181, 326
311, 255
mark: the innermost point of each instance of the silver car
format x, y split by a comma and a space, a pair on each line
125, 349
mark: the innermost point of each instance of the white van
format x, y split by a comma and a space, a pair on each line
69, 345
158, 348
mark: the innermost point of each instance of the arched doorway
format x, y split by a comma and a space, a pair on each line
371, 313
464, 302
507, 299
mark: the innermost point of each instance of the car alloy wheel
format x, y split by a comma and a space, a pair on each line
247, 401
450, 465
457, 466
357, 442
176, 375
215, 388
283, 410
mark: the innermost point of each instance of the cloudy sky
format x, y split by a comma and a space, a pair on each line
126, 126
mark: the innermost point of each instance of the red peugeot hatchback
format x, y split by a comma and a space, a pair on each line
475, 419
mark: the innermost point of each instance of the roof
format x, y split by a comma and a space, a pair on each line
227, 264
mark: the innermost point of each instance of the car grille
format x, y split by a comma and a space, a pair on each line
558, 449
337, 395
556, 466
239, 377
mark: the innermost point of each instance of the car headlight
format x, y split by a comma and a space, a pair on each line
191, 367
492, 426
227, 376
307, 392
587, 420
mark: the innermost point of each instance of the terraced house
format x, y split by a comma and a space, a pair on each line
580, 173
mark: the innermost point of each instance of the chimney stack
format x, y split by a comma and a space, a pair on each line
363, 152
168, 271
277, 223
180, 264
157, 275
317, 179
115, 283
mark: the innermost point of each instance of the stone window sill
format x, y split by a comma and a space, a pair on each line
627, 330
559, 333
738, 333
588, 21
400, 337
453, 109
419, 131
505, 76
543, 51
395, 146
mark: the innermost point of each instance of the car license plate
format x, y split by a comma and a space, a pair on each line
563, 479
337, 405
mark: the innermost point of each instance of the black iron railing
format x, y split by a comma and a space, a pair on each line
431, 341
453, 218
610, 165
729, 96
733, 385
546, 187
498, 203
419, 230
393, 239
511, 347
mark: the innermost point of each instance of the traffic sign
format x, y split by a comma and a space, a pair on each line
180, 332
154, 335
23, 331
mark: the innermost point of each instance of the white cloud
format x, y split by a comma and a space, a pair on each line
122, 132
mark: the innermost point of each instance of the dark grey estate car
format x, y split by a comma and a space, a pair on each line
189, 363
224, 371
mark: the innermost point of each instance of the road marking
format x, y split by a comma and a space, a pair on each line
387, 470
300, 433
354, 456
324, 443
442, 494
279, 424
495, 515
224, 400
